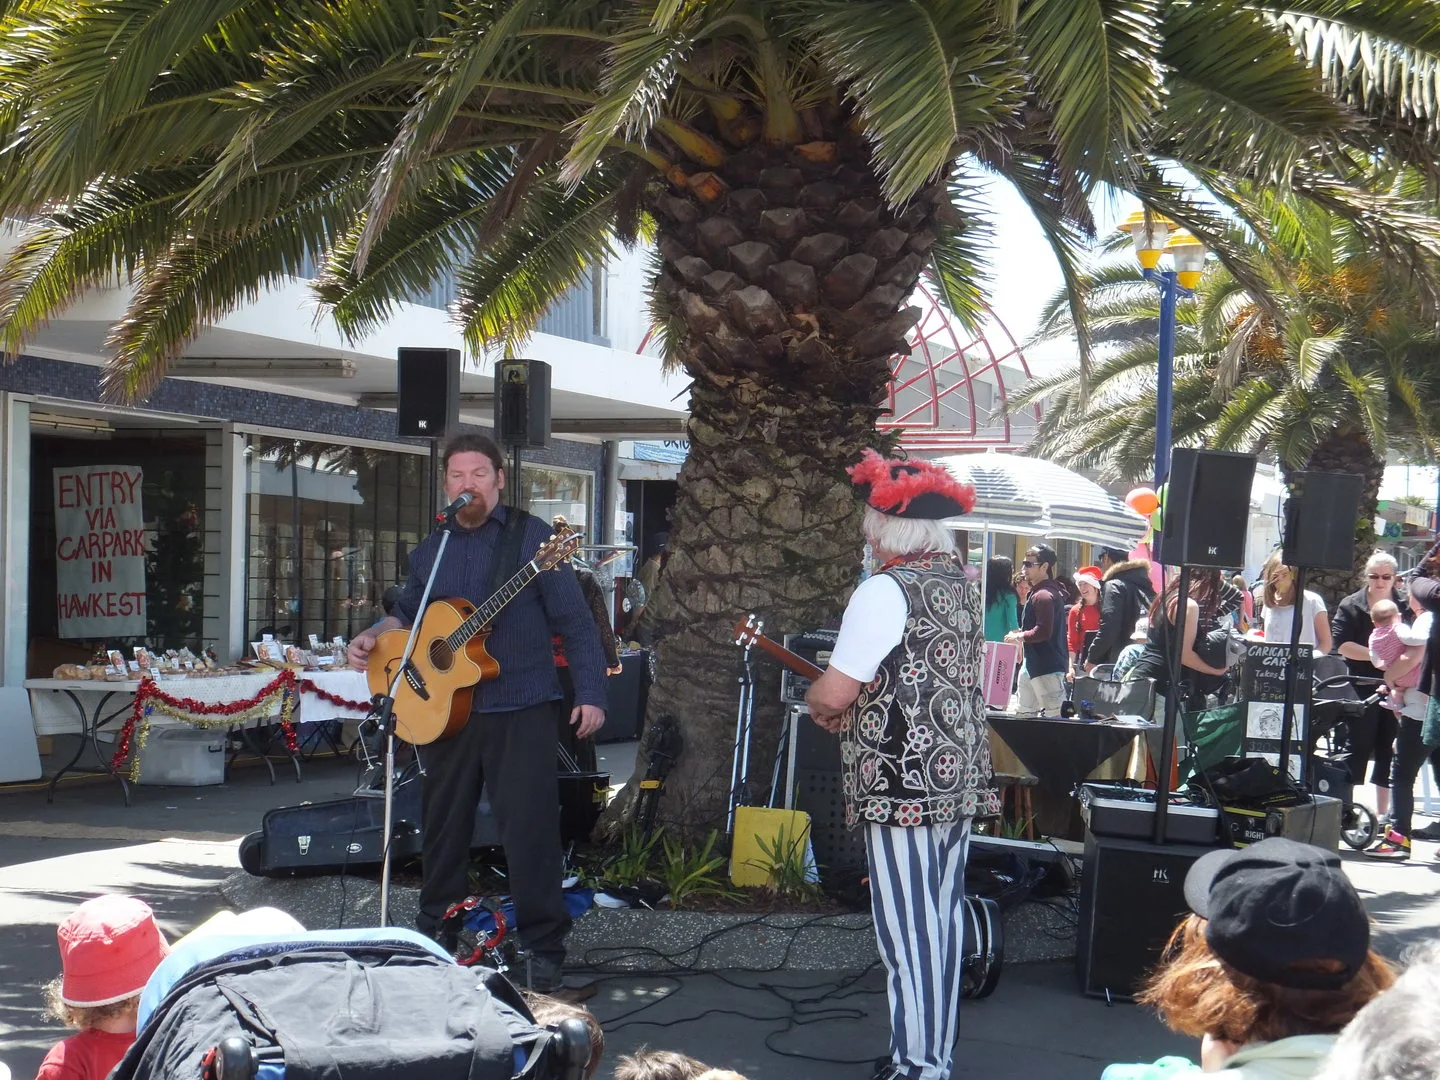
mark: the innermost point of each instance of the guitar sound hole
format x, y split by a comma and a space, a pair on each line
442, 656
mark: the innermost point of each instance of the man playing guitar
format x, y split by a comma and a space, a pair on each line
509, 740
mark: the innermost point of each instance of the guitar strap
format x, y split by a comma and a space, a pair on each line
507, 550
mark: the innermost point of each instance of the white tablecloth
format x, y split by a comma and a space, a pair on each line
54, 713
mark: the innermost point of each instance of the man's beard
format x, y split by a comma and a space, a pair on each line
474, 515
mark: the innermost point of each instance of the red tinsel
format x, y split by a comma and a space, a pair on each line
310, 687
893, 484
285, 683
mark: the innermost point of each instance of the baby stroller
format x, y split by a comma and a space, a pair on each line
1333, 704
359, 1004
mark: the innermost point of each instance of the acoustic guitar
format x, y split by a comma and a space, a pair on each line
747, 633
450, 658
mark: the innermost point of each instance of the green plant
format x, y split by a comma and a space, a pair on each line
787, 864
632, 863
688, 874
1016, 830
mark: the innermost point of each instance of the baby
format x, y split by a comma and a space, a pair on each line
1386, 646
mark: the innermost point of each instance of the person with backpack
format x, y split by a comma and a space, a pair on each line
1125, 595
508, 744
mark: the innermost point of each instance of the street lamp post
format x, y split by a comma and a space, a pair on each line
1154, 235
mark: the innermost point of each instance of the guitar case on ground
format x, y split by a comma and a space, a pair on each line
331, 837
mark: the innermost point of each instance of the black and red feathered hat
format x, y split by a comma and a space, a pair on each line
911, 489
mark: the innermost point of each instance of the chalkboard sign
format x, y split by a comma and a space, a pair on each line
1262, 688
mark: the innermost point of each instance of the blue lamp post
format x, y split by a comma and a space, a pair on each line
1154, 235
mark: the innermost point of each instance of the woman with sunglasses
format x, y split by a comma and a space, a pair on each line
1371, 735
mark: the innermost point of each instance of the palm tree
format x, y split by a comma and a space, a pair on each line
797, 163
1333, 367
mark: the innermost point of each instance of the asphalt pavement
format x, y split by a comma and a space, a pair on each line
173, 846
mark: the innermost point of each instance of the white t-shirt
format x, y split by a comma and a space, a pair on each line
874, 623
1278, 620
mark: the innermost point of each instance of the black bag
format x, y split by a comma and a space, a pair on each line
376, 1010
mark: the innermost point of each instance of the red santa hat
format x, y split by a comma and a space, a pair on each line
1088, 575
911, 489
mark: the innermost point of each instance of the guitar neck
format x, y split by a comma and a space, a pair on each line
777, 652
487, 611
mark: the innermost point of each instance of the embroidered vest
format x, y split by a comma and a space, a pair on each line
915, 749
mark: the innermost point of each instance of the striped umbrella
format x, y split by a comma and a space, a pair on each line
1072, 507
1003, 502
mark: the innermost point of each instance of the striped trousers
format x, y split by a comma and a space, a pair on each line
917, 891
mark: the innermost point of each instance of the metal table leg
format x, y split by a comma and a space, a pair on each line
90, 726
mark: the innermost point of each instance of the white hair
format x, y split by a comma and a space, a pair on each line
1397, 1035
906, 536
1379, 559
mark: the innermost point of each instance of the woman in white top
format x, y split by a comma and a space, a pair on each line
1278, 598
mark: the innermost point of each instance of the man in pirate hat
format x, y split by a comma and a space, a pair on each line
903, 690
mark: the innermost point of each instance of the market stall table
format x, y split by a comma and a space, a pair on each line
92, 707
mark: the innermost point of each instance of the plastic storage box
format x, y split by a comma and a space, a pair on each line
183, 757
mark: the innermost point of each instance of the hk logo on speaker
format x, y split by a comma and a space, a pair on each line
1160, 875
423, 425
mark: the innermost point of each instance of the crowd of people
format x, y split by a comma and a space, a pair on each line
1108, 621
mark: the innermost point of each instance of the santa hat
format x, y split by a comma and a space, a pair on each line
910, 489
1088, 575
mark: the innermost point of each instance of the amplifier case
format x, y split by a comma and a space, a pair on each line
1132, 896
1110, 810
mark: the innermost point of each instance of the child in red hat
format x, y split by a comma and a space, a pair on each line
108, 948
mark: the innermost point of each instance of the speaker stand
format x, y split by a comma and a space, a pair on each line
1292, 672
515, 475
434, 477
1172, 699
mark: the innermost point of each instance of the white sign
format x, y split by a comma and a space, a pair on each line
99, 552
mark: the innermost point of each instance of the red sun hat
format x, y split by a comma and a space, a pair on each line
1088, 575
109, 946
910, 489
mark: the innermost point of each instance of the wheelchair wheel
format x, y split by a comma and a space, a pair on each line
1359, 827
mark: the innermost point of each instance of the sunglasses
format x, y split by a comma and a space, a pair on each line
1027, 562
1381, 577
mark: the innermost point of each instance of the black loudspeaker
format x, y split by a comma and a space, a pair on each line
522, 403
1320, 520
428, 391
1132, 896
1207, 508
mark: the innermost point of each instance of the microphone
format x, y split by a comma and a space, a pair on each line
462, 500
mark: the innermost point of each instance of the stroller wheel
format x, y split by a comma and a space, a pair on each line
1359, 827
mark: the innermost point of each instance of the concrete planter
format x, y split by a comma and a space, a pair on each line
634, 939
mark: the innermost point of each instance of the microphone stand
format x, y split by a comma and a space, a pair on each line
383, 708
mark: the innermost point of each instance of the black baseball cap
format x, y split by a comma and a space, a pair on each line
1272, 906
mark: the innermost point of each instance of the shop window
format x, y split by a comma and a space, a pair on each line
550, 492
92, 586
330, 529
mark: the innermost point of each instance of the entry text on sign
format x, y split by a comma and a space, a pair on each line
100, 547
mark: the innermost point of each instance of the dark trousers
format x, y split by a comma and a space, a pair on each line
1410, 756
513, 755
1372, 735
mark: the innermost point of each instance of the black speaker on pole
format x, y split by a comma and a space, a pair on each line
1320, 520
1132, 896
427, 391
1207, 508
522, 403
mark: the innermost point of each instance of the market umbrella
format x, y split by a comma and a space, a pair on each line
1004, 502
1073, 506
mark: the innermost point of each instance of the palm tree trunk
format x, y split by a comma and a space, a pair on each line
783, 288
1347, 450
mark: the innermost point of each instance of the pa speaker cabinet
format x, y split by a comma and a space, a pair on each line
522, 403
1320, 520
1207, 508
1132, 896
427, 391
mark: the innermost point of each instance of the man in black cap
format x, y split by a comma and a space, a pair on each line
903, 690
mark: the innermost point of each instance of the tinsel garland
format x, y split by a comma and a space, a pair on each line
149, 698
309, 686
